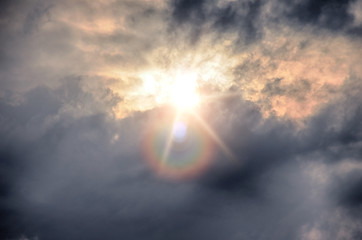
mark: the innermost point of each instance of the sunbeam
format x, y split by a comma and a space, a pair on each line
169, 140
214, 136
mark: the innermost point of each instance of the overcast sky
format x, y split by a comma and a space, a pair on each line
273, 150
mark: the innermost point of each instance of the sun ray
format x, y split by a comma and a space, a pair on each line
214, 136
169, 139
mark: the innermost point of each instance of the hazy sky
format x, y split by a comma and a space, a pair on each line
92, 145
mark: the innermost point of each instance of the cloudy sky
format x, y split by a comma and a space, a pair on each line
181, 119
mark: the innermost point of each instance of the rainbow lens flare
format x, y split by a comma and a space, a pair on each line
177, 149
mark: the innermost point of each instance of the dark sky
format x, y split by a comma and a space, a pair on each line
273, 150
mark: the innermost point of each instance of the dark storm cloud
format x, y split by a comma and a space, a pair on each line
333, 15
249, 18
266, 147
258, 144
69, 177
186, 10
64, 157
351, 195
235, 16
339, 136
60, 177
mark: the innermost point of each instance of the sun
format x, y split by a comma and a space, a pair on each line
183, 94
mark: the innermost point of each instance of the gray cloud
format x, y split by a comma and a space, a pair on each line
72, 168
333, 15
73, 179
235, 16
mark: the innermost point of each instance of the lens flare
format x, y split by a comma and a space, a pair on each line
182, 153
179, 131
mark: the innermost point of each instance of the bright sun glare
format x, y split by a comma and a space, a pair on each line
184, 92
